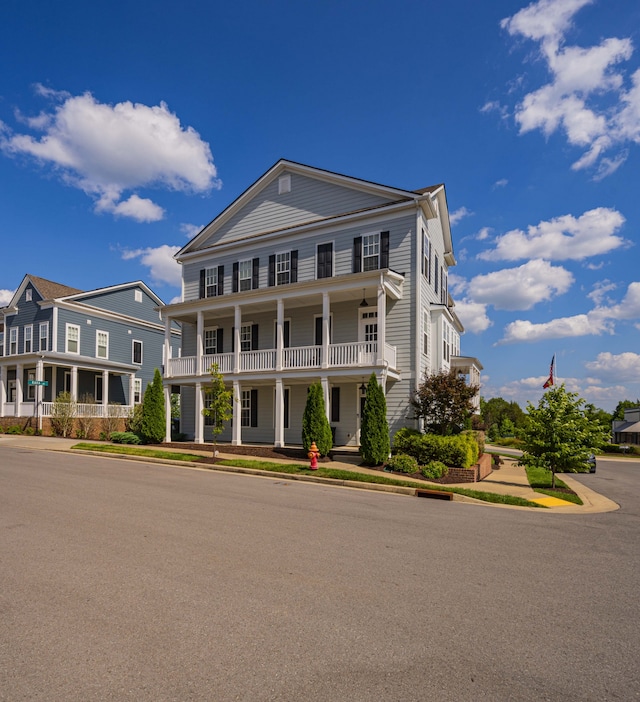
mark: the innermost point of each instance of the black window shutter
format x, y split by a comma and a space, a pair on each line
202, 283
384, 250
335, 404
294, 266
220, 280
254, 337
357, 254
286, 408
219, 340
254, 408
320, 264
255, 281
423, 252
318, 331
286, 334
272, 270
236, 275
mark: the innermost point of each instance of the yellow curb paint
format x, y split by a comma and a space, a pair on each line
552, 502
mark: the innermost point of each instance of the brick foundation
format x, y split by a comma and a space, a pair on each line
471, 475
29, 424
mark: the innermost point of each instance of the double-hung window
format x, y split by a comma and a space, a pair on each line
28, 338
72, 338
283, 268
249, 408
246, 337
102, 344
13, 340
370, 252
426, 323
426, 256
211, 281
137, 391
31, 388
212, 341
44, 336
136, 352
245, 274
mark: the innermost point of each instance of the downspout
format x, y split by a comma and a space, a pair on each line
417, 288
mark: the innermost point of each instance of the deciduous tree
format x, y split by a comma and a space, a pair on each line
445, 402
219, 407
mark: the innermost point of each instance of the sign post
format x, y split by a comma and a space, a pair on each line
39, 385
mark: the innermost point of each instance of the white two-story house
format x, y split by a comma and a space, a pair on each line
312, 276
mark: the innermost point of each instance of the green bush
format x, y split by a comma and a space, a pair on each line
124, 437
402, 463
374, 441
460, 451
13, 429
434, 470
153, 411
315, 426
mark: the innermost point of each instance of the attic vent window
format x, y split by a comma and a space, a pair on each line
284, 184
138, 295
28, 295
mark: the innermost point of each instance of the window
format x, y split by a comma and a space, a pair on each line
11, 391
137, 391
246, 274
212, 341
444, 283
335, 404
246, 337
28, 338
136, 352
102, 344
72, 338
211, 281
137, 294
31, 388
435, 273
445, 342
44, 336
13, 340
28, 295
98, 395
325, 261
283, 268
426, 323
426, 256
249, 408
370, 252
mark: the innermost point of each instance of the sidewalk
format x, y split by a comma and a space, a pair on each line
509, 479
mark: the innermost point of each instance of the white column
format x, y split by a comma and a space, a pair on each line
279, 334
236, 436
325, 330
237, 323
325, 392
167, 346
74, 384
199, 416
105, 388
3, 389
382, 318
199, 342
54, 330
279, 418
167, 410
132, 389
19, 375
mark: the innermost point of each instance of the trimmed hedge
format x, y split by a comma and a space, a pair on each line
124, 437
434, 470
402, 463
461, 451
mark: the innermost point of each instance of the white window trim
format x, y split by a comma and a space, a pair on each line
282, 272
13, 341
204, 338
211, 273
98, 332
133, 353
43, 326
248, 265
249, 326
375, 256
137, 391
31, 389
68, 327
28, 328
245, 407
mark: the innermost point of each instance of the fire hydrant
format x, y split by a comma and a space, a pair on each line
313, 455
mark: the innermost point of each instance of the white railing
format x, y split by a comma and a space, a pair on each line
350, 355
83, 409
302, 357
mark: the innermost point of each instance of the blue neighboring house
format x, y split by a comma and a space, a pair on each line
101, 346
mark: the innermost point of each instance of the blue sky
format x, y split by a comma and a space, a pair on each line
124, 127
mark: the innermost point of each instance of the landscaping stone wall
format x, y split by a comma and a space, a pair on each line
471, 475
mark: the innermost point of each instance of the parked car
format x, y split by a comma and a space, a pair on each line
591, 462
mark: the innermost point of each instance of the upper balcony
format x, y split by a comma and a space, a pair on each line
354, 355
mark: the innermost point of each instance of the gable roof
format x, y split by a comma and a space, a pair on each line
391, 194
50, 290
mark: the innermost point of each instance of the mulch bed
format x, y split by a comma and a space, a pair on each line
292, 453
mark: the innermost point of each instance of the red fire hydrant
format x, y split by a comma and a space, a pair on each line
313, 455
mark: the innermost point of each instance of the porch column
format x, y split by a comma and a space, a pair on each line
54, 330
105, 387
132, 389
325, 330
382, 318
237, 323
199, 416
279, 335
3, 389
167, 412
279, 429
19, 398
199, 341
236, 434
325, 392
167, 346
74, 384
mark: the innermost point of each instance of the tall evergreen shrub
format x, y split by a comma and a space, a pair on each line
315, 425
153, 425
374, 428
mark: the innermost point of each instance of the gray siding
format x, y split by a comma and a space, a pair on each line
122, 301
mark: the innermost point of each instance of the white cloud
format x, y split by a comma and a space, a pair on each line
616, 368
473, 316
484, 233
578, 325
107, 150
520, 288
5, 297
584, 83
162, 266
600, 290
629, 308
190, 230
459, 214
562, 238
500, 183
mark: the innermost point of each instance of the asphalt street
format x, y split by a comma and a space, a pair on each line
121, 580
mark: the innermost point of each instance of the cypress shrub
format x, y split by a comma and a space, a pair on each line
153, 424
374, 429
315, 425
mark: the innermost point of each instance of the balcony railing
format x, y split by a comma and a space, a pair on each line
350, 355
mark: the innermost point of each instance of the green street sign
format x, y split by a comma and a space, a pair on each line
37, 382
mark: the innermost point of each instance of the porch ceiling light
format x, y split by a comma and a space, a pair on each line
364, 302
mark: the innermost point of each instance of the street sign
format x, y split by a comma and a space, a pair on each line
37, 382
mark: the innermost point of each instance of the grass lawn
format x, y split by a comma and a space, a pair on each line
540, 481
300, 469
